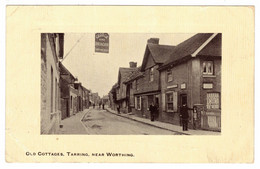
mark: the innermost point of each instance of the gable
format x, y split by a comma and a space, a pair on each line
213, 48
150, 62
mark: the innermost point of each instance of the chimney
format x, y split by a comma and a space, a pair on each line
153, 41
133, 64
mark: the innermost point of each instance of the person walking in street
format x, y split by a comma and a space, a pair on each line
118, 109
153, 110
93, 105
103, 106
185, 116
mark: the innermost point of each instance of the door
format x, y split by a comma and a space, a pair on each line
183, 99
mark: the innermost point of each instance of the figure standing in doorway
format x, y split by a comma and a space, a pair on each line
185, 116
153, 110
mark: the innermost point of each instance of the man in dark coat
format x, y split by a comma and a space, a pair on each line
185, 117
153, 110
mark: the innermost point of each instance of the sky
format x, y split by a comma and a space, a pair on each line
99, 71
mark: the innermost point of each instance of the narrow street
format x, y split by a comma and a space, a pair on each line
102, 122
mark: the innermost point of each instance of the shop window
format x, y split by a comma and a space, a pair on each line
169, 102
169, 76
151, 74
213, 101
208, 67
138, 102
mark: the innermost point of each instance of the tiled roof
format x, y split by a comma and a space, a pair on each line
160, 53
137, 73
125, 72
189, 46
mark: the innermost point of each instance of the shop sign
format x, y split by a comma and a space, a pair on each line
172, 86
183, 86
207, 85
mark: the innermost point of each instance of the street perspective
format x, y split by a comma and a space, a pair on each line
131, 83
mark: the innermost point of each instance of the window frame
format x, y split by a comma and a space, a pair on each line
167, 75
138, 100
219, 101
167, 101
206, 64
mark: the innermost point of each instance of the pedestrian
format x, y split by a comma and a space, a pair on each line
93, 105
185, 116
118, 109
103, 105
153, 110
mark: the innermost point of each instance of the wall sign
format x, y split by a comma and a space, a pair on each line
183, 86
172, 86
102, 42
207, 85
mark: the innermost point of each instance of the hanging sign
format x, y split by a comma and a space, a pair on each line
102, 42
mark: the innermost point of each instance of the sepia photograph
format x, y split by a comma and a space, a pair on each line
131, 83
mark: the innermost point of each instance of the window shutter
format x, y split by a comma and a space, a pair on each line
175, 101
163, 101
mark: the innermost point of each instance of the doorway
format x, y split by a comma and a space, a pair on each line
183, 99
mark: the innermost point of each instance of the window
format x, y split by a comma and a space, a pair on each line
151, 74
169, 75
138, 102
51, 90
208, 67
169, 101
213, 101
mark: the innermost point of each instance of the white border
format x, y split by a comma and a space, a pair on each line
3, 4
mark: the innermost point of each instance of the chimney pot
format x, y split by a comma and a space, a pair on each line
153, 41
133, 64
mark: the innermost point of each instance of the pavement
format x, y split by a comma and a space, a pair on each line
162, 125
73, 124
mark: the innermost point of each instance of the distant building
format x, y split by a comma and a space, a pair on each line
105, 100
95, 98
123, 74
79, 88
86, 99
51, 51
